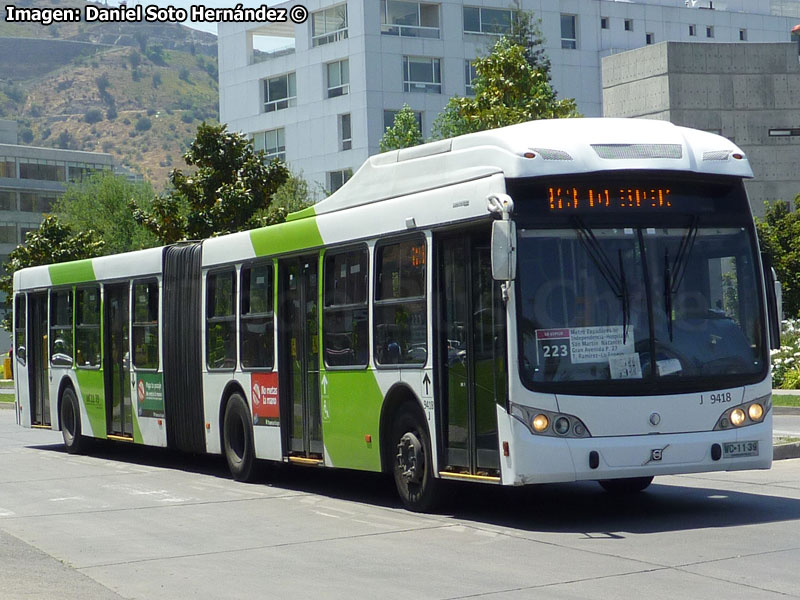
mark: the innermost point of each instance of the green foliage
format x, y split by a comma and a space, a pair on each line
526, 32
26, 135
404, 132
293, 194
779, 236
102, 203
229, 191
156, 80
508, 90
53, 242
135, 59
93, 115
143, 124
183, 74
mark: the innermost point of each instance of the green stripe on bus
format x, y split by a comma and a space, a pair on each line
286, 237
351, 411
72, 272
301, 214
93, 393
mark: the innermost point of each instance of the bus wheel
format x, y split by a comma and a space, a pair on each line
419, 490
631, 485
237, 439
70, 417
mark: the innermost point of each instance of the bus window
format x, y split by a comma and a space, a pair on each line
61, 328
345, 335
87, 327
145, 325
400, 317
256, 327
19, 328
221, 320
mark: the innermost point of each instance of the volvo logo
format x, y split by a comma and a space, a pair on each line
656, 454
655, 419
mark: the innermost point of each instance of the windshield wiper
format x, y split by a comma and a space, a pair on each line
673, 276
617, 284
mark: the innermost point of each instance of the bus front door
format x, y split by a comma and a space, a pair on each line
299, 356
119, 413
38, 360
471, 375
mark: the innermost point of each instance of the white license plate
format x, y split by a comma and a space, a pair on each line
735, 449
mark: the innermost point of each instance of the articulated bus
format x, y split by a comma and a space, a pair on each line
580, 299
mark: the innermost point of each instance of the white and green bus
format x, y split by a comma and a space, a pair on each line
554, 301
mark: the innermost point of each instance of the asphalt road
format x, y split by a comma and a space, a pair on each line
129, 522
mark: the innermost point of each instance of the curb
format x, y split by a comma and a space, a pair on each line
784, 451
6, 405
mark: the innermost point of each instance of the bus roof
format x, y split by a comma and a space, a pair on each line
557, 146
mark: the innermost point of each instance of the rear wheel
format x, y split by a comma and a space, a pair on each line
70, 417
419, 490
237, 439
630, 485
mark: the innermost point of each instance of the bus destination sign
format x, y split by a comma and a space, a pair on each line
605, 198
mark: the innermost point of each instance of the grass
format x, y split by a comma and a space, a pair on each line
9, 398
786, 399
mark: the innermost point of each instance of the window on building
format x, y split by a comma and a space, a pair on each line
87, 327
469, 74
256, 323
221, 320
388, 118
743, 35
37, 202
628, 24
649, 38
272, 142
412, 19
145, 324
61, 327
337, 179
329, 25
345, 132
280, 92
338, 78
421, 74
24, 230
494, 21
78, 172
709, 31
45, 170
8, 233
692, 30
8, 168
8, 200
345, 331
20, 330
400, 309
604, 23
569, 32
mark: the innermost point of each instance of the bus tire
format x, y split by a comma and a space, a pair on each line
621, 487
237, 439
413, 473
70, 418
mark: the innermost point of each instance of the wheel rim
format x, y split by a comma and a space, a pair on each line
411, 459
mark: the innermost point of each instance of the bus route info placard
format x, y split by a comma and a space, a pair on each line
264, 399
583, 345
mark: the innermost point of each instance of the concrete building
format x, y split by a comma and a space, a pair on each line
323, 100
749, 93
31, 179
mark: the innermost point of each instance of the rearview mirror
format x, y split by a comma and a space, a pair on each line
504, 250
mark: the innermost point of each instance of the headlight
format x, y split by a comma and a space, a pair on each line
747, 413
755, 411
545, 422
540, 423
738, 417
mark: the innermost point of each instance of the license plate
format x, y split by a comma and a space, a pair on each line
734, 449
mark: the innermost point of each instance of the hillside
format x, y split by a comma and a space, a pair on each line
109, 88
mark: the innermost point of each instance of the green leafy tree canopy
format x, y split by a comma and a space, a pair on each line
508, 90
53, 242
779, 236
404, 132
101, 202
230, 189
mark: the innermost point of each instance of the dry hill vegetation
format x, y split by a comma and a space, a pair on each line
137, 91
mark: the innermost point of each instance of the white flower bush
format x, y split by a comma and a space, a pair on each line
786, 361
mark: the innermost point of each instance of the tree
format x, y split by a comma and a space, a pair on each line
404, 132
508, 90
102, 203
779, 236
53, 242
525, 32
230, 190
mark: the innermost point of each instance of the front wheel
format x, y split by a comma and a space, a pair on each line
622, 487
419, 490
237, 439
70, 417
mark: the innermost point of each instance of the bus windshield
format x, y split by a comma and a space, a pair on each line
639, 298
